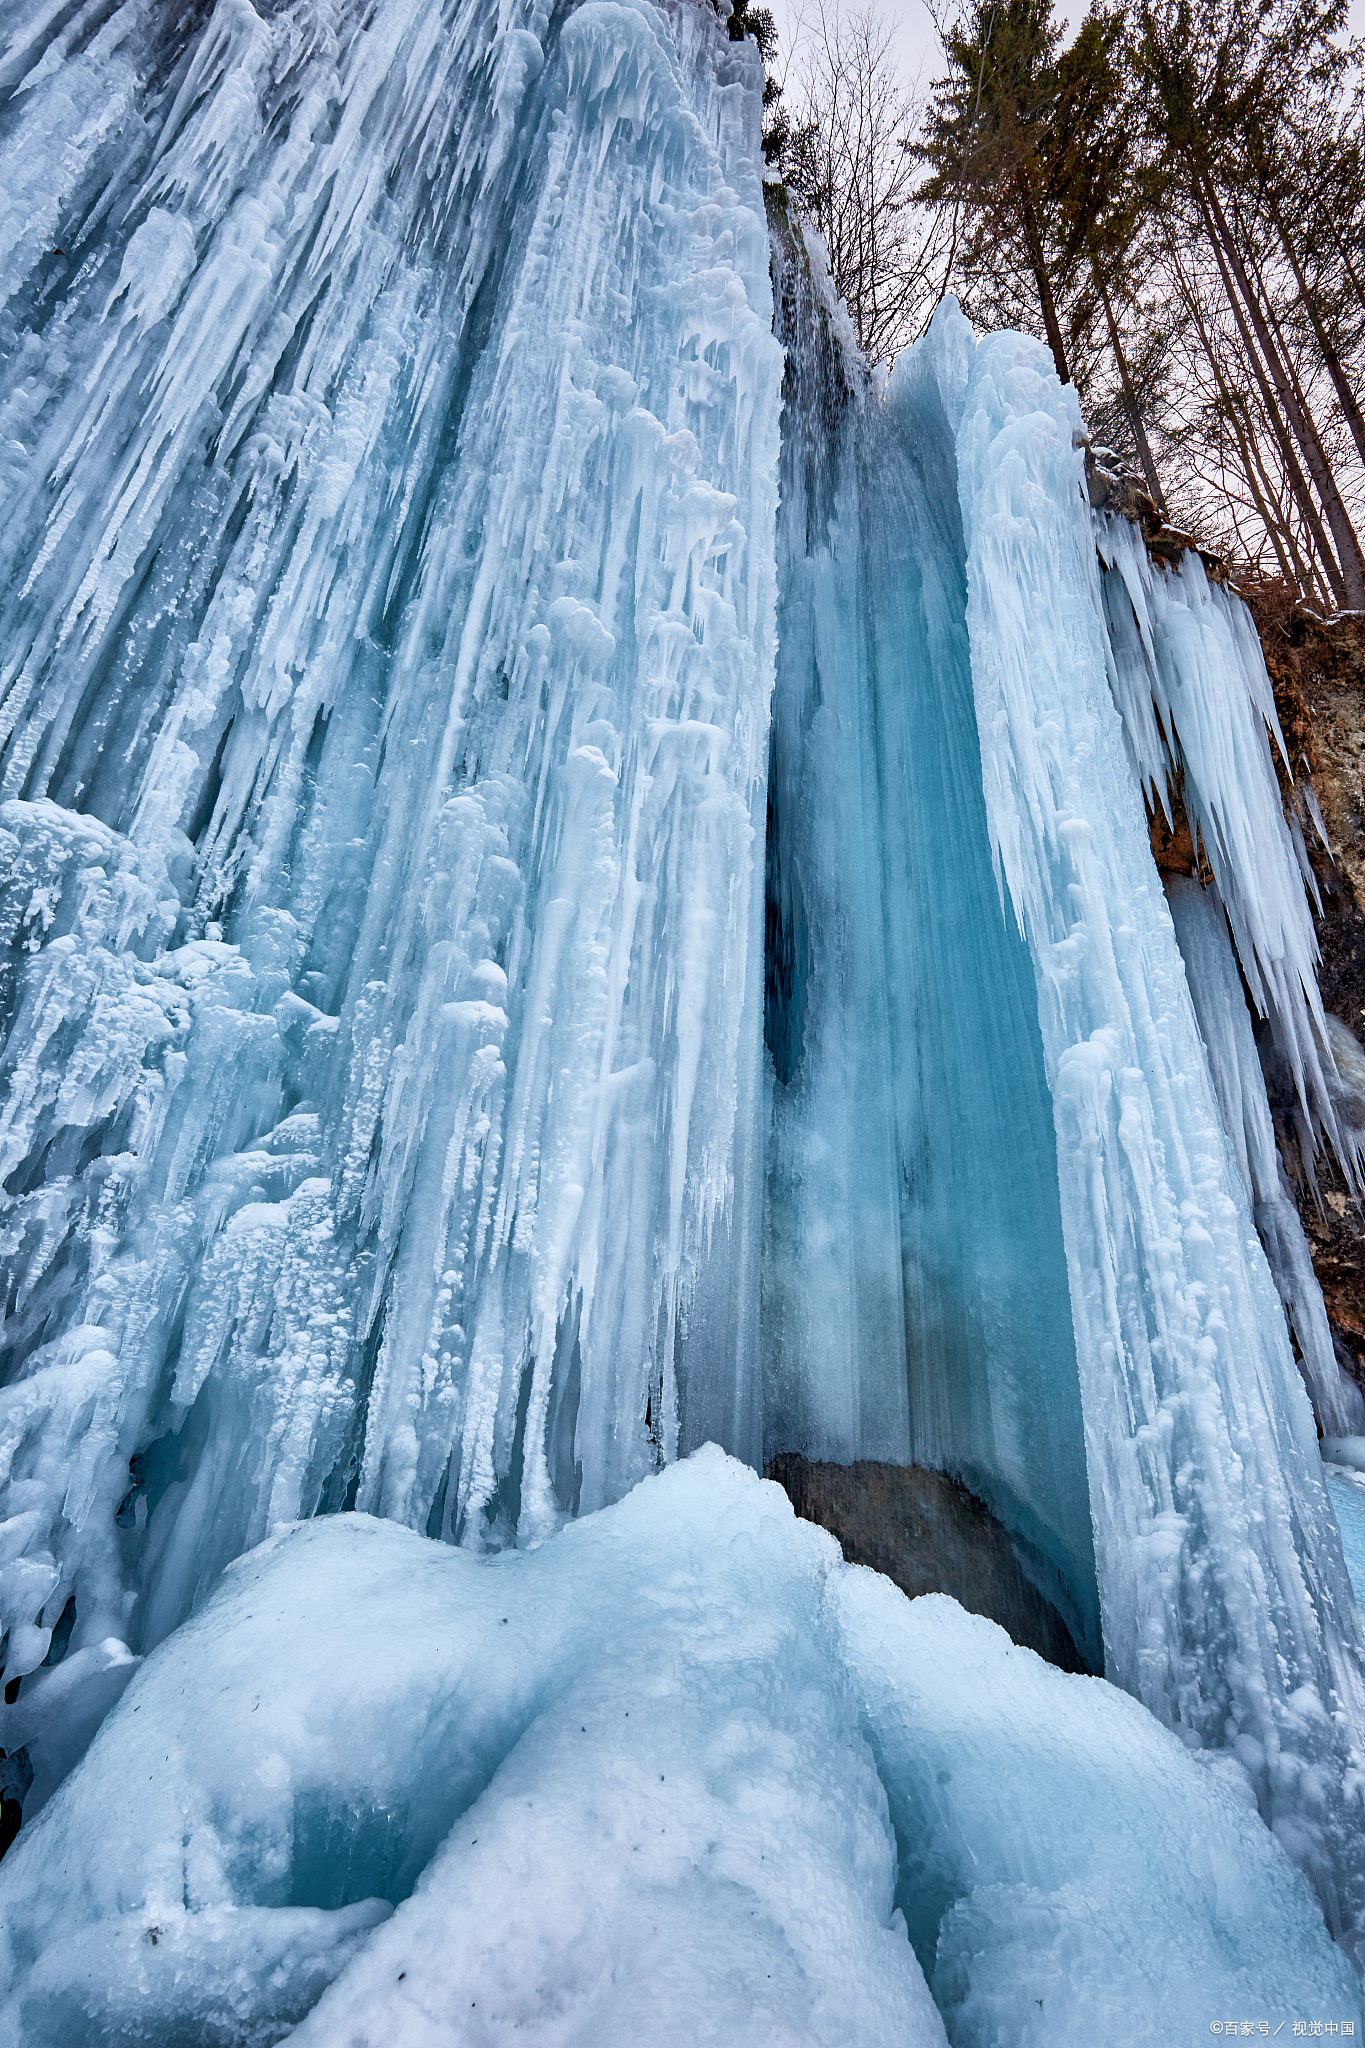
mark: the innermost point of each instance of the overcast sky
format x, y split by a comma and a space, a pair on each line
916, 42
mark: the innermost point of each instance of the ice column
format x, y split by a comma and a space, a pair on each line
1224, 1595
915, 1301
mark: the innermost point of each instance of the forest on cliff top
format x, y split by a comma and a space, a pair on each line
1173, 197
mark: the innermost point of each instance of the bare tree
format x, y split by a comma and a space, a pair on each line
845, 158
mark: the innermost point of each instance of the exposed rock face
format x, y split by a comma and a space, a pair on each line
1112, 488
1173, 847
928, 1535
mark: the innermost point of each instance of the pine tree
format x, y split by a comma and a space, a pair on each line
759, 23
1094, 187
988, 143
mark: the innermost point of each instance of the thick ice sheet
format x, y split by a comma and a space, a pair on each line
914, 1296
673, 1776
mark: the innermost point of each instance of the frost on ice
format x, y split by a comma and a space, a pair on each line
574, 882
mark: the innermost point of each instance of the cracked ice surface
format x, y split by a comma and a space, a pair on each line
387, 610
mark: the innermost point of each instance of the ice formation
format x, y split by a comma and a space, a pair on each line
1239, 1083
1346, 1485
383, 778
1197, 705
519, 1818
901, 1017
575, 883
1226, 1602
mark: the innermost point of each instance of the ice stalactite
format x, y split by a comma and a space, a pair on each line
1190, 682
1226, 1605
1197, 704
387, 623
1225, 1025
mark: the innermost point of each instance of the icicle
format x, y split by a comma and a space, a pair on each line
386, 597
1190, 682
1225, 1024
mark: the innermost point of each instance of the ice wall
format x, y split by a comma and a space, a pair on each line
386, 605
1225, 1599
915, 1299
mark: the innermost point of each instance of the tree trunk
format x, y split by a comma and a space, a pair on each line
1033, 237
1129, 395
1297, 480
1300, 422
1355, 283
1350, 405
1299, 574
1281, 539
1291, 568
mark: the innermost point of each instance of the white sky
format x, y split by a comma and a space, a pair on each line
916, 42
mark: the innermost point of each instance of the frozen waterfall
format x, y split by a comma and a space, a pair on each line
384, 776
575, 885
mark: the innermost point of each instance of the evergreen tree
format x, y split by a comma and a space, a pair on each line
989, 140
1094, 185
758, 22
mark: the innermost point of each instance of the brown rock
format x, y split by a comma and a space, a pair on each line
928, 1535
1112, 489
1173, 847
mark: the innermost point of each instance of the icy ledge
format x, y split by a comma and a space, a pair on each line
680, 1761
